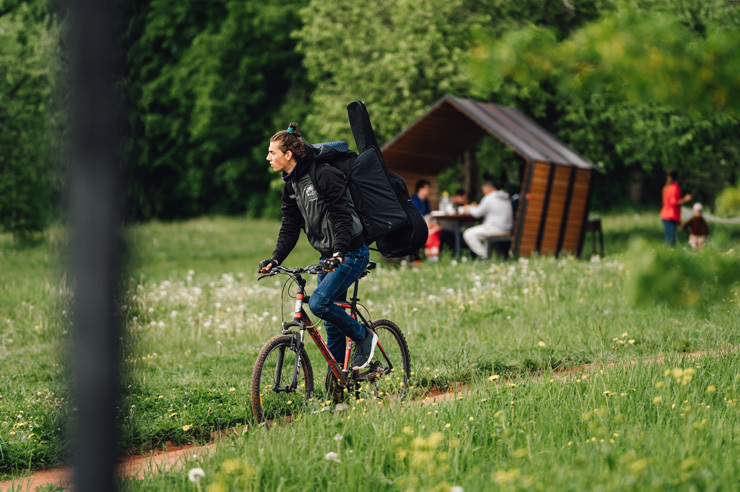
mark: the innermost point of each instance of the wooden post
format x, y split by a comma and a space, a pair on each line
470, 174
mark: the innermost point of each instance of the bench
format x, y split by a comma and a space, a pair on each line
503, 239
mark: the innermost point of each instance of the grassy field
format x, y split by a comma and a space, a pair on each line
195, 318
672, 425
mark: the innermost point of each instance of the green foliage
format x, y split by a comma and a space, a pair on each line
636, 92
675, 67
728, 202
682, 278
205, 88
30, 71
400, 58
395, 56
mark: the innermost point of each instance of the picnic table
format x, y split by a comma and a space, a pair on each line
458, 220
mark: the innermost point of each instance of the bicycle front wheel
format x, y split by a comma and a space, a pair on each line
391, 361
277, 390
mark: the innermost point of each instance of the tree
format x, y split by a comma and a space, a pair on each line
636, 91
399, 56
30, 175
206, 81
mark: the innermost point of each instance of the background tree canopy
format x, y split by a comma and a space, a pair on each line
206, 84
30, 134
637, 91
636, 86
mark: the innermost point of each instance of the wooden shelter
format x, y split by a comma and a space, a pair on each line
556, 185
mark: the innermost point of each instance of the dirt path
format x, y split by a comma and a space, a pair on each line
134, 467
173, 459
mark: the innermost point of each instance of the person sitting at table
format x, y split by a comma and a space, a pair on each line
421, 201
459, 199
421, 197
498, 218
431, 247
449, 229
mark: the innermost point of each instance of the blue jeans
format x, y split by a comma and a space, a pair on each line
670, 227
333, 288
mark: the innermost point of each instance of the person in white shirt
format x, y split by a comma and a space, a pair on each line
498, 218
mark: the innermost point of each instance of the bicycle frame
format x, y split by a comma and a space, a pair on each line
303, 323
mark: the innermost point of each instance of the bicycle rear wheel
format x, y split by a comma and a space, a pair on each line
390, 367
271, 394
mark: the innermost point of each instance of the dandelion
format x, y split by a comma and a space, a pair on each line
456, 488
196, 474
187, 427
541, 343
332, 456
711, 389
338, 437
657, 400
494, 377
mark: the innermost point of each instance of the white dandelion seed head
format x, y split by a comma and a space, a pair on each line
196, 474
338, 437
331, 456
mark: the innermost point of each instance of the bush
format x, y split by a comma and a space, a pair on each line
728, 202
682, 278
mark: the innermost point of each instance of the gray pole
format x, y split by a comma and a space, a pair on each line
95, 198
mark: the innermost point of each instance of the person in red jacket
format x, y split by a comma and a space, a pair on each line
673, 198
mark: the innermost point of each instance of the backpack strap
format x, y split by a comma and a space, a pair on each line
312, 174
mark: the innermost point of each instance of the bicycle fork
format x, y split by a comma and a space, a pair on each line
296, 345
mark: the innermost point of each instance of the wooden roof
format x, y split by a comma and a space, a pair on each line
454, 125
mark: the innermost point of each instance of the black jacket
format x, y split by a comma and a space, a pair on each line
332, 186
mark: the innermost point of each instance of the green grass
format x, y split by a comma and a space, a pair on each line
671, 425
195, 319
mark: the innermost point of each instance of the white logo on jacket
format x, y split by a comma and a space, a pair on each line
310, 193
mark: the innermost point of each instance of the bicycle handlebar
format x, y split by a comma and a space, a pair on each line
312, 269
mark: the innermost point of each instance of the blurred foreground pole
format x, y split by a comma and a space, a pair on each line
95, 199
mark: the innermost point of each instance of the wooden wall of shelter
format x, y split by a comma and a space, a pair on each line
556, 187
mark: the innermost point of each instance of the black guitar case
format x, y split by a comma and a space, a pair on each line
412, 236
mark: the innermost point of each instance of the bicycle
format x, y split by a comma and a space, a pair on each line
283, 374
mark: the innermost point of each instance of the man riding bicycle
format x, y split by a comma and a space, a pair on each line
323, 211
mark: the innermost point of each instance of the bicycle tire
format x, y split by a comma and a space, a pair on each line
268, 405
392, 364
